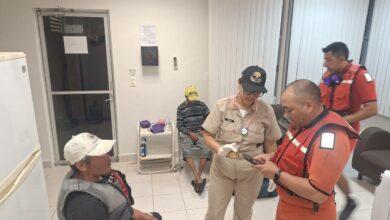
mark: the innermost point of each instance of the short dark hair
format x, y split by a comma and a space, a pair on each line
85, 160
306, 88
337, 49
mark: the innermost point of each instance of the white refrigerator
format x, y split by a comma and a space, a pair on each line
22, 183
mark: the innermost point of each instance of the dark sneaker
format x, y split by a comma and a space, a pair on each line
195, 185
348, 209
156, 215
201, 186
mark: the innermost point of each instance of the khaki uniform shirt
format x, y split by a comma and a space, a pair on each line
225, 122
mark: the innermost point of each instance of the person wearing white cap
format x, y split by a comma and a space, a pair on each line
92, 190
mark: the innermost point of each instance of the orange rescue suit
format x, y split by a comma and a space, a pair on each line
300, 152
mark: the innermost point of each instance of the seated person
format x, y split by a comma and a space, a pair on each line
190, 117
92, 190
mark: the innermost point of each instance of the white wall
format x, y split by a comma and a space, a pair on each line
378, 54
182, 31
242, 33
317, 23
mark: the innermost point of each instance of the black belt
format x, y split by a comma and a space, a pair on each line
316, 206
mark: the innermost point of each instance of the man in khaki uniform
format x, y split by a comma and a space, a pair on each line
236, 125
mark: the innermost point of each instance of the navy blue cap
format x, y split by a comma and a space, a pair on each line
253, 79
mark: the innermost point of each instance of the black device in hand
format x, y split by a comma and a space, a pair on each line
251, 159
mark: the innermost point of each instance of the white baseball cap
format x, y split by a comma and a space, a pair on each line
86, 144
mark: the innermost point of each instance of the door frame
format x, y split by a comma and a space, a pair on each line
49, 93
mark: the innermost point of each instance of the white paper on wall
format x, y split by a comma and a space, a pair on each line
148, 35
75, 45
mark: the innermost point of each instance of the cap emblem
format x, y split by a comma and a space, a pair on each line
256, 77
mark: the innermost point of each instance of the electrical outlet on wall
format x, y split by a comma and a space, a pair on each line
132, 81
132, 77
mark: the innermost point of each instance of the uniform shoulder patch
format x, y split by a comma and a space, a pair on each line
327, 140
368, 77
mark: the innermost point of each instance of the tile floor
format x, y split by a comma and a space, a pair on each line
172, 195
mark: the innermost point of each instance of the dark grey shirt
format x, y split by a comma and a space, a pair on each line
190, 116
81, 206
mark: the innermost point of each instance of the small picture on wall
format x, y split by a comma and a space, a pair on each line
149, 56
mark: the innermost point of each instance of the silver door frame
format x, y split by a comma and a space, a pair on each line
77, 13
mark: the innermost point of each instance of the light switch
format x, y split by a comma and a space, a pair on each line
132, 81
175, 67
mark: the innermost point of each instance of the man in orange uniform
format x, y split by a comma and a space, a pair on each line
311, 158
347, 89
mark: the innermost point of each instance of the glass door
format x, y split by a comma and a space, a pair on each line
77, 61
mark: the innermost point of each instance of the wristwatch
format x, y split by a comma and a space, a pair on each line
277, 175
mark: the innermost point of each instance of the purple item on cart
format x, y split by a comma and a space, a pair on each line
157, 128
145, 124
